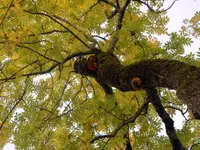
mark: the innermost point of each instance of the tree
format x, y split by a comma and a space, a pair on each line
51, 99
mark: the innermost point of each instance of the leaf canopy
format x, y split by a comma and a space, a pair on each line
46, 105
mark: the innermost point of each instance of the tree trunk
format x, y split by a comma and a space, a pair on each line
165, 73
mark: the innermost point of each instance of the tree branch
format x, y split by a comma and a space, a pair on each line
49, 32
128, 142
12, 109
155, 11
169, 123
121, 125
56, 21
119, 25
109, 3
22, 46
69, 57
183, 113
196, 144
1, 23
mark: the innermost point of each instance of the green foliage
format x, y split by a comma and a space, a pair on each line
45, 105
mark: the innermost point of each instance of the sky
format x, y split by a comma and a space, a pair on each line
182, 9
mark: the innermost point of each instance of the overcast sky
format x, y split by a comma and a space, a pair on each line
182, 9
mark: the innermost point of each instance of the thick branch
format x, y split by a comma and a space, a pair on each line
169, 123
69, 57
119, 25
128, 142
148, 75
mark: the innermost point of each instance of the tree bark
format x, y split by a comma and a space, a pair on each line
172, 74
165, 73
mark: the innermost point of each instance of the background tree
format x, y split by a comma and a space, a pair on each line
46, 105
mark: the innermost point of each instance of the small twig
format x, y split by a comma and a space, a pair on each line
49, 32
89, 10
109, 112
56, 21
109, 3
142, 47
155, 11
12, 109
196, 144
28, 48
183, 113
93, 89
97, 36
1, 23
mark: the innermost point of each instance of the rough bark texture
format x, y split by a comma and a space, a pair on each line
172, 74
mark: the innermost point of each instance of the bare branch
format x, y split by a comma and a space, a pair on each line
128, 142
112, 14
34, 42
52, 111
21, 69
109, 112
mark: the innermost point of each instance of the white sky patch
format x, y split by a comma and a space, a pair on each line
42, 77
182, 9
178, 123
9, 147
